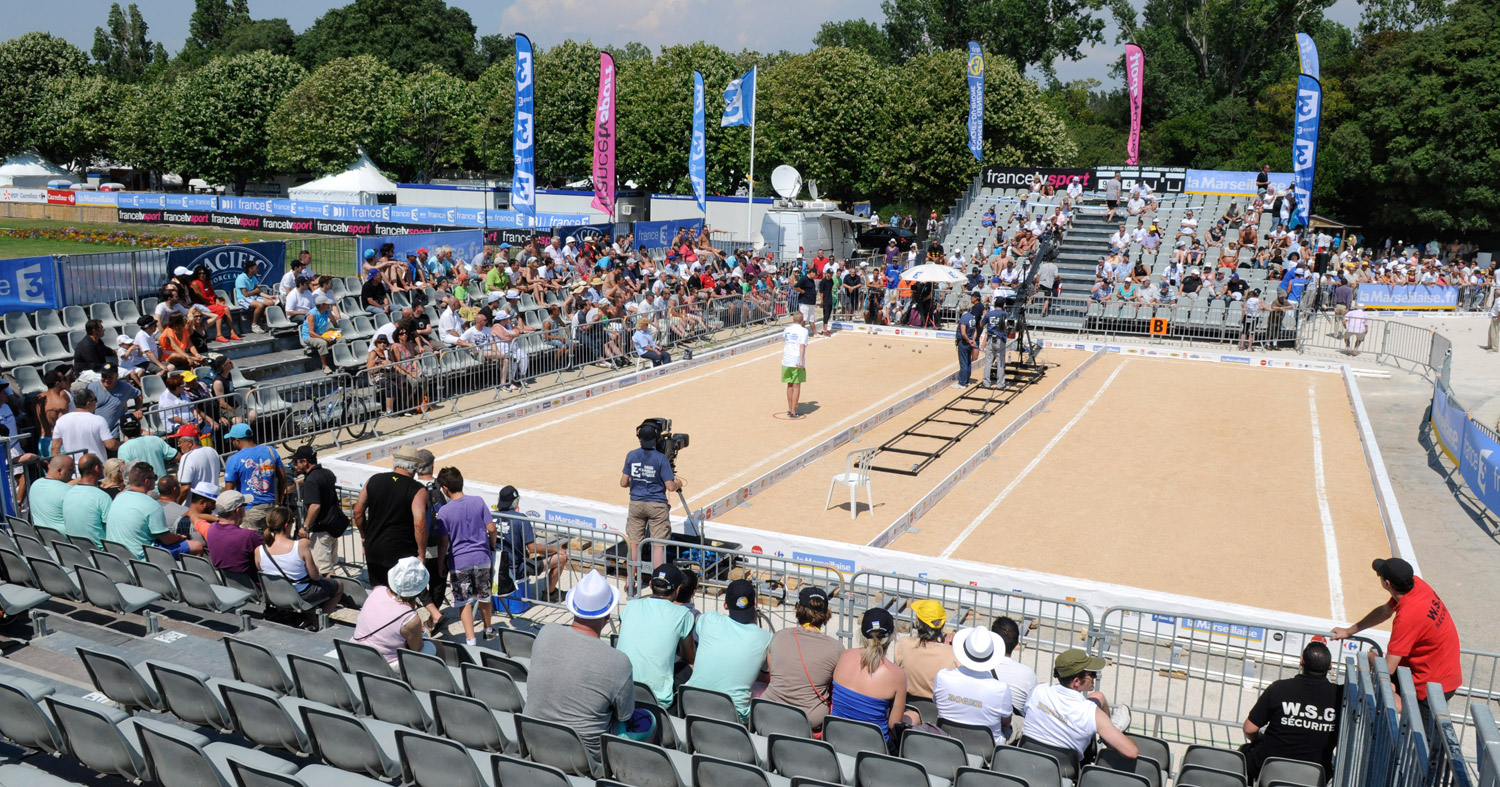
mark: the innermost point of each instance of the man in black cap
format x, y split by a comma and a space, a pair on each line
1072, 712
655, 631
323, 519
801, 658
649, 477
1296, 718
518, 539
731, 647
1423, 637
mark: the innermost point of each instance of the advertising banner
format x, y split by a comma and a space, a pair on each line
739, 101
1305, 145
523, 143
1407, 296
227, 262
658, 234
27, 284
60, 197
1164, 180
582, 232
1231, 184
1307, 56
13, 194
604, 137
1022, 177
515, 237
976, 101
698, 150
101, 198
1135, 85
1480, 464
127, 199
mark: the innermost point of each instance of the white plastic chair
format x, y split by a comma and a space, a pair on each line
856, 474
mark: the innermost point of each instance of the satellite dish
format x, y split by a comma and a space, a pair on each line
758, 240
812, 188
786, 181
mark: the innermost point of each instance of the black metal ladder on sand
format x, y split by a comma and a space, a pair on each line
910, 452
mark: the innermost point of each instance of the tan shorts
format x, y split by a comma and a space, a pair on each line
646, 516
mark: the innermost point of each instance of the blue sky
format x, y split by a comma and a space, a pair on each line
733, 24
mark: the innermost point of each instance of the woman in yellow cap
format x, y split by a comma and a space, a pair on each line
928, 651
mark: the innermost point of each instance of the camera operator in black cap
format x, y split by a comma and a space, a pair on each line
649, 477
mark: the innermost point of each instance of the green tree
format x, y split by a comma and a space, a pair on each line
75, 118
406, 34
1097, 121
211, 22
631, 52
433, 114
655, 121
491, 133
567, 88
271, 35
345, 105
1380, 17
496, 47
217, 121
123, 53
1028, 32
136, 140
823, 113
859, 35
27, 63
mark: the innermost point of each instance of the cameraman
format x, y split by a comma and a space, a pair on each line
648, 475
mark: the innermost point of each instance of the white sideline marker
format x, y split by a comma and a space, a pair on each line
1330, 542
1014, 482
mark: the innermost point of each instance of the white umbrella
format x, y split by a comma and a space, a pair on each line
934, 274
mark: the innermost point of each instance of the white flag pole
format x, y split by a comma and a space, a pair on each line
750, 178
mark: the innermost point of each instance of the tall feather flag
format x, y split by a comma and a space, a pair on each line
697, 151
1135, 85
604, 137
523, 144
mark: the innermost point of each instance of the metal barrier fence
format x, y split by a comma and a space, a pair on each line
1381, 743
1388, 341
1470, 297
777, 579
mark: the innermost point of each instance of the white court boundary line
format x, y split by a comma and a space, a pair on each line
1026, 471
1380, 478
1330, 540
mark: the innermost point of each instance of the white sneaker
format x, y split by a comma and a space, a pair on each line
257, 329
1120, 716
958, 385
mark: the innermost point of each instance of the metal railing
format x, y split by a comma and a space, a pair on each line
1383, 743
1386, 341
777, 579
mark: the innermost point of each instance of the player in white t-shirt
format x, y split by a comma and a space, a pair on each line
794, 362
970, 693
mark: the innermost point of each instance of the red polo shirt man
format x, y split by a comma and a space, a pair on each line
1423, 637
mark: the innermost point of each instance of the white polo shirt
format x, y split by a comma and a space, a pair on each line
1061, 717
969, 697
1020, 678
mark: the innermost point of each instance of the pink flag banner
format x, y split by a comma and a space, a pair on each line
604, 137
1135, 83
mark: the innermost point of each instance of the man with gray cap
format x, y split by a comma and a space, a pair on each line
231, 548
319, 332
1070, 713
391, 515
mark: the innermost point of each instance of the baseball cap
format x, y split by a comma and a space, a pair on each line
1394, 570
108, 369
422, 252
666, 578
930, 612
124, 340
503, 246
369, 254
508, 496
877, 620
1075, 662
323, 300
813, 598
305, 453
182, 270
207, 490
228, 502
186, 430
408, 577
493, 297
512, 294
739, 599
239, 432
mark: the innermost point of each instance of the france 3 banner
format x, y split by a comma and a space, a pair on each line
1305, 145
659, 234
1469, 446
976, 101
523, 143
1135, 84
698, 152
739, 101
28, 284
226, 263
604, 137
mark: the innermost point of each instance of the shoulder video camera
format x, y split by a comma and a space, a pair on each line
666, 442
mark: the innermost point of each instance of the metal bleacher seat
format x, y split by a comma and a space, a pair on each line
351, 743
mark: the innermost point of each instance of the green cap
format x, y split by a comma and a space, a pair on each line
1074, 662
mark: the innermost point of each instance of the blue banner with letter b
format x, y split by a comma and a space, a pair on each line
28, 284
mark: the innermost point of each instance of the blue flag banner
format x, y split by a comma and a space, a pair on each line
1307, 54
739, 101
27, 284
523, 182
698, 154
1305, 145
976, 101
225, 263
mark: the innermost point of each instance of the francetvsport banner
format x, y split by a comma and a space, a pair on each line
28, 284
1231, 184
1023, 177
225, 263
466, 244
1407, 296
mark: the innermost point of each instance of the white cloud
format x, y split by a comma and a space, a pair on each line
762, 25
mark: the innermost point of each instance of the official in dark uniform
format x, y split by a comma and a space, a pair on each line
992, 324
967, 338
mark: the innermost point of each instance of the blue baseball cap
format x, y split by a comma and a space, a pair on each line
239, 432
369, 254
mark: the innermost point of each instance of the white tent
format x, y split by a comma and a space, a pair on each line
361, 183
29, 170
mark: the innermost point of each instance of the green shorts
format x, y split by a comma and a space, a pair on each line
793, 374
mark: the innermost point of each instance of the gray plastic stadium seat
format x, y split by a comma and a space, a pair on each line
693, 701
190, 695
494, 688
474, 724
726, 740
427, 673
19, 599
24, 719
322, 682
177, 761
723, 773
974, 777
267, 719
1038, 769
211, 598
388, 699
117, 570
130, 686
556, 745
28, 380
17, 570
516, 772
1067, 759
1280, 769
768, 718
315, 775
1097, 776
795, 756
101, 737
644, 764
978, 740
510, 666
151, 577
517, 644
803, 781
881, 770
56, 580
17, 325
257, 665
51, 348
201, 566
280, 593
123, 552
355, 658
120, 599
852, 737
1204, 776
925, 707
940, 755
365, 746
1143, 766
1231, 760
32, 548
18, 775
430, 761
276, 320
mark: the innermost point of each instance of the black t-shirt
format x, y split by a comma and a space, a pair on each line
808, 294
1262, 180
825, 286
1299, 719
90, 354
321, 487
372, 290
1237, 285
389, 531
1191, 283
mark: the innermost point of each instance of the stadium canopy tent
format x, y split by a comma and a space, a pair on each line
361, 183
29, 170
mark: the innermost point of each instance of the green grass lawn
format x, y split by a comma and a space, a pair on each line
29, 247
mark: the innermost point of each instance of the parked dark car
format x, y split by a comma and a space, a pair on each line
878, 237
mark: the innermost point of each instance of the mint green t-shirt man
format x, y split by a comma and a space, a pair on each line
731, 647
653, 630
